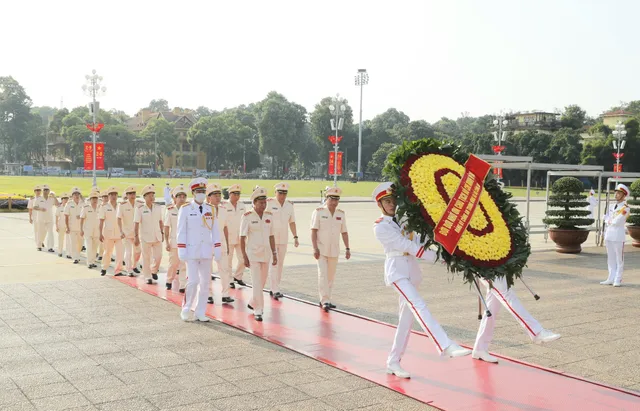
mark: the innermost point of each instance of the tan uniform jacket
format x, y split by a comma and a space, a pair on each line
329, 229
73, 211
149, 220
91, 222
283, 215
171, 220
233, 217
125, 212
257, 232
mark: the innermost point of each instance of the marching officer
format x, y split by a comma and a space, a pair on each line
256, 239
284, 219
72, 222
90, 228
61, 227
110, 233
43, 205
149, 233
104, 199
401, 270
176, 267
198, 243
327, 224
614, 235
235, 210
125, 213
214, 197
33, 217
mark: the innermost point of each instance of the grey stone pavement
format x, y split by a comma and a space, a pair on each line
72, 340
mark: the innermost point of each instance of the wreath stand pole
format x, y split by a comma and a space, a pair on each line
536, 296
479, 309
481, 297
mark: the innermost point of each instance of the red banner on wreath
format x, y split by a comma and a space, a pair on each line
88, 156
331, 163
457, 216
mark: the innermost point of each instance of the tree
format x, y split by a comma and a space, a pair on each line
163, 136
376, 164
158, 105
573, 117
15, 116
565, 147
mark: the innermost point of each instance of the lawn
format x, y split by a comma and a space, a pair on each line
24, 185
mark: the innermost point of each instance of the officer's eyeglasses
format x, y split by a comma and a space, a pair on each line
333, 198
282, 192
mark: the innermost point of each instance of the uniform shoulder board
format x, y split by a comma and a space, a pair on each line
123, 202
171, 207
337, 209
270, 199
221, 205
289, 201
319, 208
379, 220
247, 213
267, 212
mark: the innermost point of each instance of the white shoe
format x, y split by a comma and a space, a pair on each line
202, 318
606, 282
185, 315
545, 336
454, 350
484, 356
396, 369
617, 284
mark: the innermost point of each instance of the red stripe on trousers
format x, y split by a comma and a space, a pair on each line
514, 312
420, 318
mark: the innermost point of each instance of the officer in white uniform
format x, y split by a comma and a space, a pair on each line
403, 249
176, 267
90, 228
284, 219
61, 227
124, 214
110, 233
72, 222
198, 242
149, 233
593, 203
33, 217
167, 194
43, 205
214, 199
614, 235
235, 210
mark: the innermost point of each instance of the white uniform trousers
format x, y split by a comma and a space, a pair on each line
100, 251
326, 274
45, 232
239, 271
148, 250
76, 244
615, 260
128, 244
412, 305
109, 245
259, 273
92, 247
223, 272
275, 271
36, 234
198, 274
497, 297
177, 268
62, 236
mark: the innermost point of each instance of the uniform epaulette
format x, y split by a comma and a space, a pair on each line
379, 220
270, 199
289, 201
123, 202
267, 212
221, 205
319, 208
337, 209
171, 207
247, 213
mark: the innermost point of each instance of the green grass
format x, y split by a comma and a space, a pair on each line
24, 185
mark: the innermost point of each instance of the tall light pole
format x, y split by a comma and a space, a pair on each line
337, 108
93, 89
499, 123
362, 79
619, 141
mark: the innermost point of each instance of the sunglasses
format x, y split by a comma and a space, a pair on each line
282, 192
334, 197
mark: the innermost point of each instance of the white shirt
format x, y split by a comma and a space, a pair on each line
283, 215
234, 215
198, 235
615, 219
167, 195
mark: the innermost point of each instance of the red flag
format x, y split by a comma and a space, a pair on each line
88, 156
99, 156
338, 163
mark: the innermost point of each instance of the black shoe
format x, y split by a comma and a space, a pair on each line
240, 282
331, 305
258, 317
124, 264
232, 285
39, 248
249, 306
154, 276
278, 295
113, 259
59, 255
76, 261
213, 278
149, 282
99, 258
69, 257
181, 291
118, 275
92, 266
103, 272
135, 270
271, 293
227, 300
168, 286
84, 248
326, 307
51, 250
210, 300
131, 275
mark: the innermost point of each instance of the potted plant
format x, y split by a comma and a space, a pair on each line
634, 218
568, 215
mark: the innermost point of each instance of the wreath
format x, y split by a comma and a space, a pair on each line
426, 174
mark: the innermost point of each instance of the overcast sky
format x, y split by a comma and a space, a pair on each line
428, 58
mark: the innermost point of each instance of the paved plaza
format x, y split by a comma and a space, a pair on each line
70, 339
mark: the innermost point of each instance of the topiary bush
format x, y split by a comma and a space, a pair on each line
634, 218
567, 196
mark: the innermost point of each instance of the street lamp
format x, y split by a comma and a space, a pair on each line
93, 89
619, 141
362, 79
337, 108
499, 123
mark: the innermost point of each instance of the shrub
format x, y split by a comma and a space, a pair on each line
569, 202
634, 218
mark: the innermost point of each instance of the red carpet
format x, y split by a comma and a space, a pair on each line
360, 346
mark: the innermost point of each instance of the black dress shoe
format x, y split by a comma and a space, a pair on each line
149, 282
135, 270
278, 295
326, 307
210, 300
258, 317
249, 306
240, 282
181, 291
103, 272
99, 258
331, 305
123, 263
232, 285
213, 278
59, 255
69, 257
168, 286
154, 276
227, 300
131, 275
113, 259
118, 275
84, 248
51, 250
76, 261
39, 249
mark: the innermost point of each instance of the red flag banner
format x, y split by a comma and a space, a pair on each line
332, 161
460, 209
88, 156
99, 156
617, 168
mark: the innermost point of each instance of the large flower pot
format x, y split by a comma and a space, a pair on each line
634, 232
568, 241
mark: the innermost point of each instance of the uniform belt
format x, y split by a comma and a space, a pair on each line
397, 254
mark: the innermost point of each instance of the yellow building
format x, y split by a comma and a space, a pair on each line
187, 157
611, 118
541, 121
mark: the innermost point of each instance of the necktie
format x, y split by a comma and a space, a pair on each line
200, 209
394, 220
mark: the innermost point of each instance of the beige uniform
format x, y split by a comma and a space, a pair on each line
73, 210
283, 215
233, 217
34, 222
175, 265
63, 237
149, 220
330, 227
257, 232
101, 246
91, 228
111, 236
125, 213
44, 208
223, 264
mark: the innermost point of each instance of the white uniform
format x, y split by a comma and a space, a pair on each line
176, 266
63, 237
329, 228
593, 204
234, 215
112, 237
132, 252
401, 270
91, 229
72, 210
223, 264
283, 215
44, 209
198, 242
149, 221
34, 221
167, 196
614, 238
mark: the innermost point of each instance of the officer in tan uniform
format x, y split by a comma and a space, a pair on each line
110, 233
43, 205
33, 217
176, 267
235, 209
72, 222
214, 198
61, 226
149, 233
327, 224
257, 242
104, 199
284, 219
90, 228
126, 210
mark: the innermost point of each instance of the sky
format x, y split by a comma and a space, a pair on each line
427, 58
